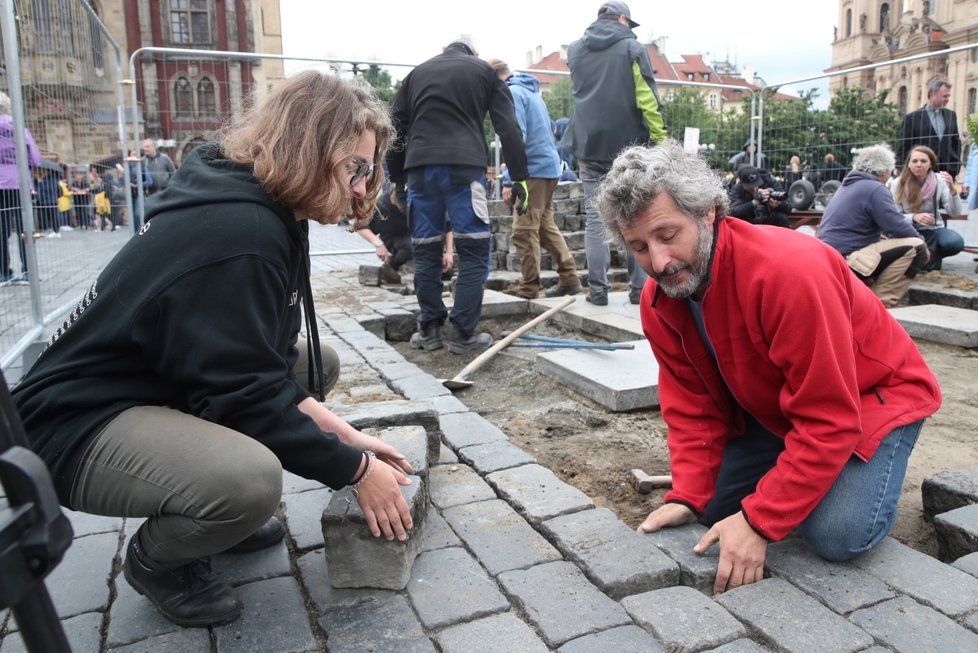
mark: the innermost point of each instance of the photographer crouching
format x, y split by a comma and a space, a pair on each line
757, 197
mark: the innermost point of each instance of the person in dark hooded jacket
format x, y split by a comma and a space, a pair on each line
749, 193
173, 393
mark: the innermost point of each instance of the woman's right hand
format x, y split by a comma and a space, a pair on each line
383, 506
924, 219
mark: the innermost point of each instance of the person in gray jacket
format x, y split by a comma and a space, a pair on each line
860, 213
616, 104
158, 165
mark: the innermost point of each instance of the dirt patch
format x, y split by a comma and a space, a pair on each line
594, 449
945, 280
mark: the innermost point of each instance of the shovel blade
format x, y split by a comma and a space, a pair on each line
455, 384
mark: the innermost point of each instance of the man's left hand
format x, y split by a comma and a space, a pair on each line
521, 198
742, 552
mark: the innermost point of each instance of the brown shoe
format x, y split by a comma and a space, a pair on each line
561, 291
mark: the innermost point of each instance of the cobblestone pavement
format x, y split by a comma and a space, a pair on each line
512, 559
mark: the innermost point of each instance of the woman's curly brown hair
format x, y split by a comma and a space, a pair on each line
300, 139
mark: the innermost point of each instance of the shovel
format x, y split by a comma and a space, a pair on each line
459, 380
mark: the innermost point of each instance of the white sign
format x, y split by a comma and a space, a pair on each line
691, 140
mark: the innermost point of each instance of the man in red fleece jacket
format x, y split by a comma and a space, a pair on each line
792, 398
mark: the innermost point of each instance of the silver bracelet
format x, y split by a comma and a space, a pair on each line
371, 458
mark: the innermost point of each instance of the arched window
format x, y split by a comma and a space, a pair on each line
183, 98
902, 99
848, 22
43, 34
66, 27
206, 98
972, 99
885, 17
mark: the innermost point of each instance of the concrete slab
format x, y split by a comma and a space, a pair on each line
947, 324
624, 379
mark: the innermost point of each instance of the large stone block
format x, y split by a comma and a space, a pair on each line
947, 324
396, 413
369, 275
412, 441
957, 533
358, 559
948, 490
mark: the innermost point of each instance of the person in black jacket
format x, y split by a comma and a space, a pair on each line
750, 197
172, 392
935, 126
438, 113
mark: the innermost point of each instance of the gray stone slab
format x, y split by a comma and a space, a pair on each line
446, 456
561, 603
494, 456
840, 586
499, 537
947, 490
537, 494
495, 304
422, 386
133, 618
184, 640
501, 633
314, 571
944, 296
437, 533
453, 485
927, 580
394, 371
947, 324
396, 413
449, 404
80, 583
620, 380
369, 274
695, 570
957, 533
412, 441
274, 620
683, 619
356, 557
448, 586
967, 564
908, 627
241, 568
466, 429
399, 324
613, 556
83, 523
792, 621
381, 624
304, 514
293, 484
623, 639
82, 631
747, 646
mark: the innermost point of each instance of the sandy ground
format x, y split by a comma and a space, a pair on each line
594, 449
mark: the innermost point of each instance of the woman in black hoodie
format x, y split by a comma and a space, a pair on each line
169, 392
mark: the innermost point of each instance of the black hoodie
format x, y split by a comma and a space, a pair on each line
200, 312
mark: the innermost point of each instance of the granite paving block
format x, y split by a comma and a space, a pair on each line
422, 386
133, 618
446, 456
82, 631
83, 523
683, 619
399, 324
80, 583
501, 633
370, 322
943, 296
437, 533
341, 325
241, 568
453, 485
369, 274
412, 441
466, 429
356, 557
615, 326
792, 621
839, 585
495, 304
396, 413
274, 620
947, 324
947, 490
499, 537
293, 483
623, 639
314, 571
957, 533
184, 640
304, 514
494, 456
967, 564
620, 380
920, 576
695, 570
561, 603
537, 494
394, 371
613, 556
909, 627
382, 624
747, 646
448, 404
448, 586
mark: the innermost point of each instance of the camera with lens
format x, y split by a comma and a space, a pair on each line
771, 195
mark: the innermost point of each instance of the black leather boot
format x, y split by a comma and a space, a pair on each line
270, 533
190, 595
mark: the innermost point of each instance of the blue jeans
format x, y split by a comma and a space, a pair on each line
596, 247
854, 516
458, 193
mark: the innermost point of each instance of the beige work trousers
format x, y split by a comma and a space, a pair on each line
536, 229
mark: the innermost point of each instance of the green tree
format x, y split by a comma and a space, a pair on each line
857, 119
558, 98
380, 80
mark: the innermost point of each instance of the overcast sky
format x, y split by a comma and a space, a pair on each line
782, 40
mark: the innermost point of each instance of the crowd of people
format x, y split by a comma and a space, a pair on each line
792, 397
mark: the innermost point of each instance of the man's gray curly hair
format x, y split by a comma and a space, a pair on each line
640, 174
875, 159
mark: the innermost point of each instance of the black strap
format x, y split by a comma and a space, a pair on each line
317, 377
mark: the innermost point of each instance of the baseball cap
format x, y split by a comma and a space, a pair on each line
749, 176
616, 8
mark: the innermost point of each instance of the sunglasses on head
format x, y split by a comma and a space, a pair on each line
361, 170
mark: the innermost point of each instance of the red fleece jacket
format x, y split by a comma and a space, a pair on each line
803, 346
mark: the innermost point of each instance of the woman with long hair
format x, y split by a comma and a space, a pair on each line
173, 392
923, 194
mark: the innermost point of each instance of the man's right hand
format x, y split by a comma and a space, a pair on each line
521, 197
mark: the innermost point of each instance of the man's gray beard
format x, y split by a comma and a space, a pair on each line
697, 268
